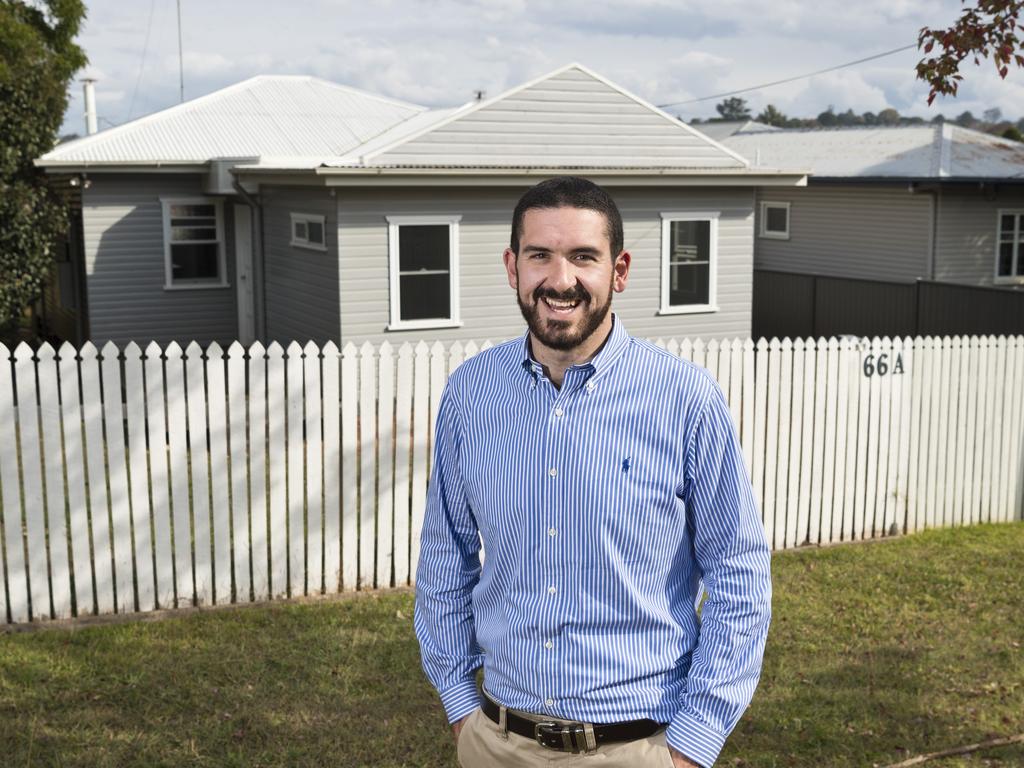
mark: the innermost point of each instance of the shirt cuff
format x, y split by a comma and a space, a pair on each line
695, 740
459, 700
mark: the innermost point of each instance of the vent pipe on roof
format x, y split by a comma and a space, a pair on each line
90, 106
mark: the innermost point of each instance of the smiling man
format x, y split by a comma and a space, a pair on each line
604, 480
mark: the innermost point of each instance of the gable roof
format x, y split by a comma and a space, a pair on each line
930, 152
720, 130
276, 115
569, 118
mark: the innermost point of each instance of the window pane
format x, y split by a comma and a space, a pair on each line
422, 246
316, 232
193, 233
776, 219
300, 230
688, 284
194, 261
194, 210
691, 241
199, 221
424, 297
1006, 224
1005, 259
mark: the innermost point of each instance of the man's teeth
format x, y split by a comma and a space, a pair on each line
561, 305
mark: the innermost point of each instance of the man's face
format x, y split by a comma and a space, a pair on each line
564, 275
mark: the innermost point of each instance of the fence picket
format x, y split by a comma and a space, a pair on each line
120, 508
901, 458
46, 450
332, 468
403, 456
96, 472
790, 434
177, 450
17, 606
1002, 436
759, 436
198, 404
349, 467
139, 478
220, 511
988, 432
385, 463
828, 498
772, 453
849, 383
277, 458
879, 489
420, 450
748, 396
805, 459
1016, 430
934, 401
312, 412
295, 464
257, 464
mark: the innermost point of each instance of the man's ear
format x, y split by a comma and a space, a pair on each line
620, 270
509, 257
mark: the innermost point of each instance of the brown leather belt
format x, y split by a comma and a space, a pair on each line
570, 737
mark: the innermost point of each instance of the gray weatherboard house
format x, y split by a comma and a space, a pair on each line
291, 208
936, 202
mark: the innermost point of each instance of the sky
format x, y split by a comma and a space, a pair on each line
438, 53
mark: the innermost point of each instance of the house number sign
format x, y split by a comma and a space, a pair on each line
881, 365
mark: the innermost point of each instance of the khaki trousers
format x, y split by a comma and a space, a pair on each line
482, 745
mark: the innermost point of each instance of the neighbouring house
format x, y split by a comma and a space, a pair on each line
935, 202
291, 208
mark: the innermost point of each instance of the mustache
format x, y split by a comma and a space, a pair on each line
577, 293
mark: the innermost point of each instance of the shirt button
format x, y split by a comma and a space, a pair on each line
552, 471
559, 412
550, 702
591, 386
552, 590
552, 532
549, 645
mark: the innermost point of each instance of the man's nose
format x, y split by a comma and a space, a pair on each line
562, 276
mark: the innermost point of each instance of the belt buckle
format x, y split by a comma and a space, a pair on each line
564, 738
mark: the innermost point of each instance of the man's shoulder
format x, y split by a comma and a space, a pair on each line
487, 365
668, 368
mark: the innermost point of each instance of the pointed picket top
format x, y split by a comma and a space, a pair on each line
131, 351
275, 351
312, 349
330, 350
673, 347
294, 349
386, 350
67, 351
798, 344
456, 351
173, 351
110, 351
193, 351
215, 352
88, 350
486, 345
748, 345
786, 344
422, 349
437, 349
45, 353
699, 346
471, 349
660, 343
367, 350
762, 344
236, 350
405, 351
257, 351
686, 349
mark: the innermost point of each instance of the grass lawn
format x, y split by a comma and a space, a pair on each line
877, 652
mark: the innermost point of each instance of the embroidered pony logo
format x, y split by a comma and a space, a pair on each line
625, 464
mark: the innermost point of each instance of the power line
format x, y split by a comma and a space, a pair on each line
789, 79
142, 62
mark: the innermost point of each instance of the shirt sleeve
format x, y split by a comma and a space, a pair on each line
449, 567
735, 563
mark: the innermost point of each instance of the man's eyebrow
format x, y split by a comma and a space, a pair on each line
583, 249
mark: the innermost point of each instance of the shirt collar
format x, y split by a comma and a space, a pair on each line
612, 349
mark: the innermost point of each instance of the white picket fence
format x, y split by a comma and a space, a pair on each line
133, 480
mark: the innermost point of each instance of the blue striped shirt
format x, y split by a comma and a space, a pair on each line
601, 506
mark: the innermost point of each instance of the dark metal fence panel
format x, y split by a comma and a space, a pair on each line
798, 305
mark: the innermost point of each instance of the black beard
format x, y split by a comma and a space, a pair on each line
557, 334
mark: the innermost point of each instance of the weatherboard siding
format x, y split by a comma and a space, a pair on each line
966, 251
488, 306
302, 285
122, 223
866, 232
570, 119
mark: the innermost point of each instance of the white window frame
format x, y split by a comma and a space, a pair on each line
307, 219
666, 237
1018, 236
222, 268
396, 323
764, 231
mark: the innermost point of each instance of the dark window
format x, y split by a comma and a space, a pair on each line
776, 219
194, 247
424, 272
1009, 256
689, 263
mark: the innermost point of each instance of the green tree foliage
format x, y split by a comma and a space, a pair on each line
772, 116
889, 116
1013, 133
733, 108
987, 27
828, 119
966, 120
38, 58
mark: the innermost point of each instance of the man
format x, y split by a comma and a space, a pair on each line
604, 479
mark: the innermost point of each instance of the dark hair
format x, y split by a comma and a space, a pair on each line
570, 192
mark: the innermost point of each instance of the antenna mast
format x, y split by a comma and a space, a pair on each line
181, 62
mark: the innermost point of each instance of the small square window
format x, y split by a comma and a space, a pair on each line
308, 231
775, 220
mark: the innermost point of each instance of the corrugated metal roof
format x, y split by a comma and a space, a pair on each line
938, 152
272, 115
721, 130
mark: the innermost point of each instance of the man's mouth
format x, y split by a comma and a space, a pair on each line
561, 306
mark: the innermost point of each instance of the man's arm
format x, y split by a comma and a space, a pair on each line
448, 569
734, 559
